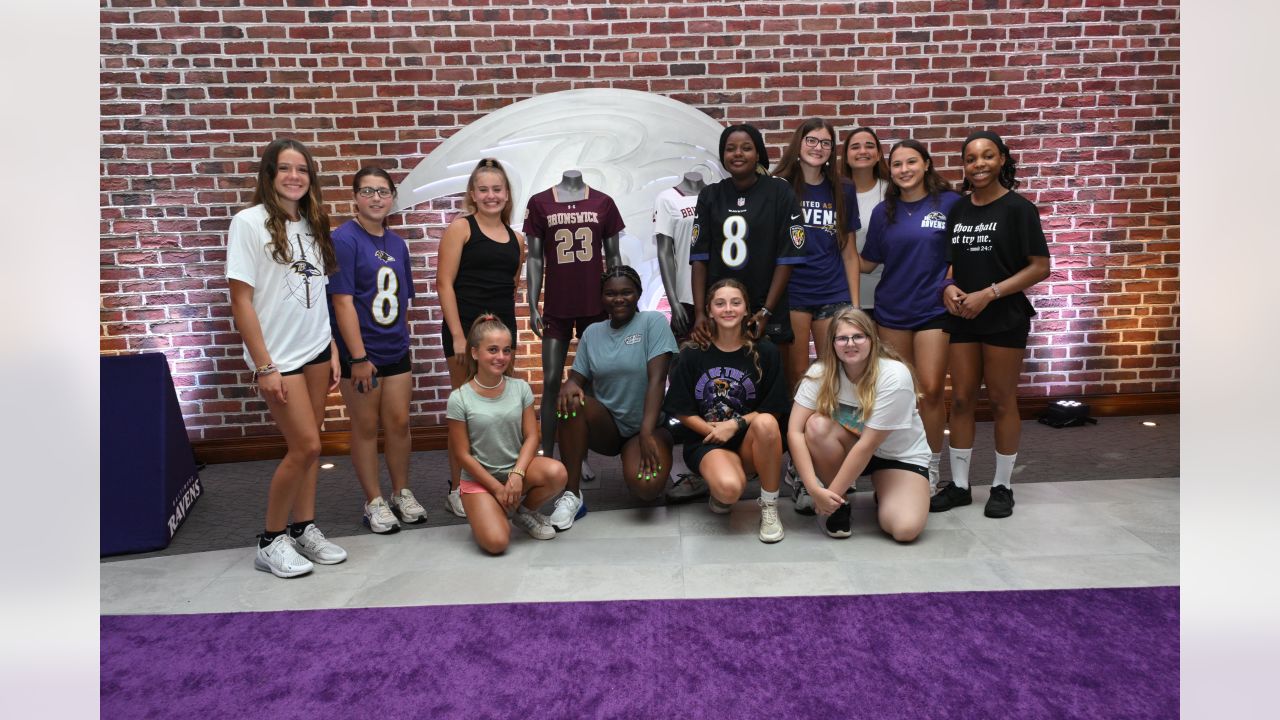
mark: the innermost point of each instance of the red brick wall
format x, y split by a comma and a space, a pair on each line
1084, 91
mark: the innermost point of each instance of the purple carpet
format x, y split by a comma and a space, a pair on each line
1024, 654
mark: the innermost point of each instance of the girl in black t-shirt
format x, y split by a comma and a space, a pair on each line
997, 250
728, 393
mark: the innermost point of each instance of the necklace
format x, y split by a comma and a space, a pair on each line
911, 212
495, 386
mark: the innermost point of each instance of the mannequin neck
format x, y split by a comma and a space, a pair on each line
691, 184
571, 187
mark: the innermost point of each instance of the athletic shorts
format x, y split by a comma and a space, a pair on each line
471, 487
779, 332
821, 312
399, 367
324, 357
878, 463
446, 337
937, 322
562, 328
1015, 338
696, 450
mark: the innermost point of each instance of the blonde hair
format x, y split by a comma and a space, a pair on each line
488, 165
829, 371
483, 325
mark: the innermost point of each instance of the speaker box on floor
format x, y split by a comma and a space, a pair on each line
148, 480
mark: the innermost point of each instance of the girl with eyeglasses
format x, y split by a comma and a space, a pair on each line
728, 393
997, 251
855, 415
828, 279
907, 237
479, 265
369, 299
279, 257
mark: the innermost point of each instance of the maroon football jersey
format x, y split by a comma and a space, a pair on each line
573, 236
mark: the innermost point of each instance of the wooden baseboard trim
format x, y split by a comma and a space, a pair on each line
267, 447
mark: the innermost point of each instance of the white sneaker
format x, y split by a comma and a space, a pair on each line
534, 523
378, 517
453, 501
569, 507
407, 508
317, 548
686, 487
718, 507
281, 559
770, 523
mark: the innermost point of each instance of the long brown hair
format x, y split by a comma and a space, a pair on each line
829, 371
747, 343
934, 184
789, 169
493, 166
879, 171
310, 206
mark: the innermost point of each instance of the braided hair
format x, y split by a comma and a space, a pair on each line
622, 271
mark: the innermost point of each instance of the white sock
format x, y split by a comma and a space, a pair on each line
769, 497
1004, 470
960, 466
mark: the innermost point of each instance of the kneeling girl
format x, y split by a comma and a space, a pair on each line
728, 394
493, 438
855, 414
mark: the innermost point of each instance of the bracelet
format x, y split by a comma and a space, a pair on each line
995, 290
766, 312
362, 358
742, 423
515, 471
265, 370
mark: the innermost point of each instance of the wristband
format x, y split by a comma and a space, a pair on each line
362, 358
742, 423
265, 370
766, 312
995, 290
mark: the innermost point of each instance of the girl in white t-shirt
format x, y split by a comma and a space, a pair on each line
855, 414
279, 256
493, 440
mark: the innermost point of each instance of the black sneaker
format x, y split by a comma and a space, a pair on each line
950, 497
1000, 504
837, 524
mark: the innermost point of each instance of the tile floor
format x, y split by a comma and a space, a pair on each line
1096, 533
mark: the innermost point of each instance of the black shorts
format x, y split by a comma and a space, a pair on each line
446, 337
877, 463
696, 450
1015, 338
562, 328
399, 367
938, 322
821, 312
779, 332
324, 357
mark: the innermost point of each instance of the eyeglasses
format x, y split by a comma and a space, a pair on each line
811, 141
850, 339
368, 192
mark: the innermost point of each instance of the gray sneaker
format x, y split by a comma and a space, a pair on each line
686, 488
718, 507
534, 523
317, 548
